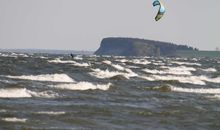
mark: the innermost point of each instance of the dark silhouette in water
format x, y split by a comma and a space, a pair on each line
71, 55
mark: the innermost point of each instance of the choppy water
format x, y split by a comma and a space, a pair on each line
56, 92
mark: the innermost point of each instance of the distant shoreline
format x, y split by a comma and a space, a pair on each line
48, 51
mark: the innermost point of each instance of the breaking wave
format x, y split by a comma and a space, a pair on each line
186, 63
14, 119
46, 77
83, 86
57, 60
51, 113
182, 70
108, 74
25, 93
197, 90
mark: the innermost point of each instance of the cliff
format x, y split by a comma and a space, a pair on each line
138, 47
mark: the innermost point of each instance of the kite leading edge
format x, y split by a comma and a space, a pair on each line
161, 9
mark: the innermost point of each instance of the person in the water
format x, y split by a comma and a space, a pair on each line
71, 55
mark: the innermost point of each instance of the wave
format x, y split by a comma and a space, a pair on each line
108, 74
15, 93
57, 60
197, 80
182, 70
186, 63
46, 77
122, 60
14, 55
119, 67
51, 113
3, 110
78, 57
197, 90
14, 119
209, 70
25, 93
140, 61
107, 62
83, 86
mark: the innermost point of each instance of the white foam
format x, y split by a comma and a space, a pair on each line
194, 59
140, 61
133, 67
83, 86
182, 79
197, 90
57, 60
15, 93
209, 70
69, 62
211, 80
81, 64
107, 62
46, 77
51, 113
8, 55
108, 74
122, 60
43, 57
158, 64
118, 67
78, 57
197, 80
186, 63
181, 70
14, 119
119, 57
3, 110
24, 93
104, 73
44, 94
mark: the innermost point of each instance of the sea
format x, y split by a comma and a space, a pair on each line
40, 91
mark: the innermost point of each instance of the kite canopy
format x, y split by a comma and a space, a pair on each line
161, 9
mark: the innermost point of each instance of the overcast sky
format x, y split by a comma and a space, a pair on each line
81, 24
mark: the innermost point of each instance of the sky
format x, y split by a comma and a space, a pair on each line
82, 24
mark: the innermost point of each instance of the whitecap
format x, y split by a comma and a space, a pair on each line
197, 80
122, 60
57, 60
25, 93
197, 90
15, 93
107, 62
108, 74
46, 77
140, 61
209, 70
44, 94
78, 57
105, 73
3, 110
69, 62
51, 112
182, 79
83, 86
181, 70
186, 63
81, 64
14, 119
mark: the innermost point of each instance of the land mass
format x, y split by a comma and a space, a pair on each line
139, 47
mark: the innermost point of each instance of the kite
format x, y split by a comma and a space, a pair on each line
161, 9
